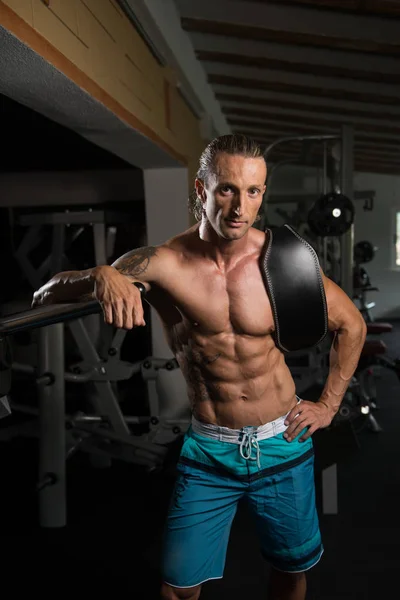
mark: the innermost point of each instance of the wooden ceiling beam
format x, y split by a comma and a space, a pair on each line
381, 8
319, 70
300, 106
318, 122
281, 128
303, 90
361, 140
315, 160
293, 38
363, 167
358, 155
388, 151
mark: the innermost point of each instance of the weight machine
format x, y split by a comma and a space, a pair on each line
374, 358
100, 429
106, 432
364, 252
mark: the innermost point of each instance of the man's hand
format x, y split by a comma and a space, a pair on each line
313, 415
120, 299
42, 297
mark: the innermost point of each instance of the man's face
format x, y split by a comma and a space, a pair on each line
232, 196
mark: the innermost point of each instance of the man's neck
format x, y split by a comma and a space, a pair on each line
225, 253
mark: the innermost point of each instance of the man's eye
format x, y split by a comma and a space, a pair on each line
254, 191
226, 189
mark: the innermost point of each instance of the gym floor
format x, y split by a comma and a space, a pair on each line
116, 515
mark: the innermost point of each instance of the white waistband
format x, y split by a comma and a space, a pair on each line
235, 436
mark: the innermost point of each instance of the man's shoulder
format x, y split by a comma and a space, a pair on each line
181, 241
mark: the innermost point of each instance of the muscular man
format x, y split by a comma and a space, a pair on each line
250, 435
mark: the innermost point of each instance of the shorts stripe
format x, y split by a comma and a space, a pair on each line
249, 477
307, 560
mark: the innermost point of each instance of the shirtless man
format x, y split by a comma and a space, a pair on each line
250, 435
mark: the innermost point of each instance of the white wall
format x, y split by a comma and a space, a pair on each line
376, 226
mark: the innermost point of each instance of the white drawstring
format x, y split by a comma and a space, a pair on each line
247, 444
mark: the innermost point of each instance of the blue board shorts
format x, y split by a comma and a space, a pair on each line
218, 467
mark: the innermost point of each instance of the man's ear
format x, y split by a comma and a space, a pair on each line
200, 191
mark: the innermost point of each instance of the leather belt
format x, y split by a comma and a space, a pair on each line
293, 281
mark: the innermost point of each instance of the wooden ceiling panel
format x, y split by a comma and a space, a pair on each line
369, 154
381, 8
333, 94
289, 118
362, 149
315, 159
359, 166
319, 70
248, 128
295, 129
303, 90
314, 108
314, 40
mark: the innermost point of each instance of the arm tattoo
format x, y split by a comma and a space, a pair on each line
135, 263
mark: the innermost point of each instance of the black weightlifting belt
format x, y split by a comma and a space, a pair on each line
293, 281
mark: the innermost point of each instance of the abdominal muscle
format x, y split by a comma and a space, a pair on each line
236, 381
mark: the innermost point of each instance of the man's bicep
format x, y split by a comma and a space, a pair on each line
342, 312
140, 264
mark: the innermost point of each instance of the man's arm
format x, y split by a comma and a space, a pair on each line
350, 329
140, 264
110, 285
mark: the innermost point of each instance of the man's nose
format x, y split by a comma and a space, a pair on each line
239, 204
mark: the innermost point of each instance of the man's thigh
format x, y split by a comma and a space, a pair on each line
284, 507
200, 515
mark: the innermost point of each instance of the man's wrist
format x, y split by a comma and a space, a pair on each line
328, 406
98, 273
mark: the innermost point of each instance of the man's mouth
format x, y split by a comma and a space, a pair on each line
234, 223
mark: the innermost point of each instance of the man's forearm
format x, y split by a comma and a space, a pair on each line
67, 286
344, 357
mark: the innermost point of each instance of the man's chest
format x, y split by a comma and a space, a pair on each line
218, 302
